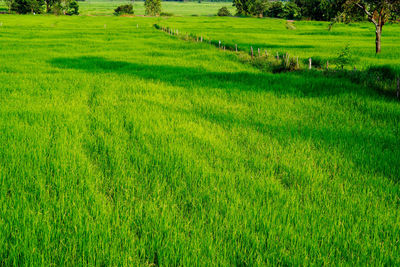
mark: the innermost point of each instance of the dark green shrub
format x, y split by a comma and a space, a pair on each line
223, 12
124, 9
72, 8
384, 72
27, 6
166, 14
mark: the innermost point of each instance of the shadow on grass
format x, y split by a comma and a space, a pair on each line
298, 84
367, 151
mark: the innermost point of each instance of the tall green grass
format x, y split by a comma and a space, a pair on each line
122, 146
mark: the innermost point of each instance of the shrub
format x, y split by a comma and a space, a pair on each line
124, 9
344, 57
384, 72
223, 12
166, 14
72, 8
152, 7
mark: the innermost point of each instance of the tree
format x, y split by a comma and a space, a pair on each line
291, 11
250, 7
153, 7
9, 4
27, 6
242, 7
276, 10
258, 8
379, 12
324, 10
223, 12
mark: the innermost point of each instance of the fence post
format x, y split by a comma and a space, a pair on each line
201, 39
327, 64
297, 63
236, 47
309, 63
219, 44
251, 48
277, 55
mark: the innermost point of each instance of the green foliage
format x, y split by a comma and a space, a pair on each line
276, 10
344, 57
58, 7
384, 72
9, 4
380, 11
166, 14
27, 6
152, 7
223, 11
72, 8
124, 9
250, 7
291, 11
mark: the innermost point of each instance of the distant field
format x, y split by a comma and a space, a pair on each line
98, 7
121, 145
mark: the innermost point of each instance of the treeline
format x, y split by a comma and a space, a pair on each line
58, 7
322, 10
197, 0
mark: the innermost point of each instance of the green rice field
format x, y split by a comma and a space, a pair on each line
121, 145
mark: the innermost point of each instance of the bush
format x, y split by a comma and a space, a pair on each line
153, 7
124, 9
384, 72
344, 57
166, 14
223, 12
72, 8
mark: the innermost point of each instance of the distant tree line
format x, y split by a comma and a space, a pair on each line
321, 10
293, 9
58, 7
379, 12
198, 1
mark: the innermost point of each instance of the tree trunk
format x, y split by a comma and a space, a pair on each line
378, 38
